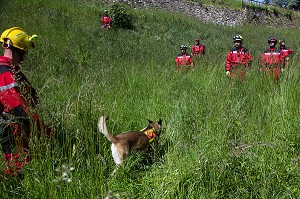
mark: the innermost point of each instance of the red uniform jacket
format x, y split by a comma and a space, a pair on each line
16, 96
198, 49
15, 89
285, 51
237, 57
184, 59
106, 20
272, 57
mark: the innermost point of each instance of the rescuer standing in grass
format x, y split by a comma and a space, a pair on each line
238, 59
17, 98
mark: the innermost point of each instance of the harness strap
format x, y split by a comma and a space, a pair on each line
150, 133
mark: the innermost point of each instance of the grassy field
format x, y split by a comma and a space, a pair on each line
236, 4
221, 139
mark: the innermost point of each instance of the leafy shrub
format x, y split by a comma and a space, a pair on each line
276, 12
122, 16
289, 15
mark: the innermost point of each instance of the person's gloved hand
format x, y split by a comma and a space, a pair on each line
228, 73
282, 70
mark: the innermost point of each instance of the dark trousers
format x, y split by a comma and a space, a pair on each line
14, 130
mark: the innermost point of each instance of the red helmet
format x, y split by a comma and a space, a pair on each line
272, 39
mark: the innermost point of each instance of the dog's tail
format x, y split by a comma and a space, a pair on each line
103, 129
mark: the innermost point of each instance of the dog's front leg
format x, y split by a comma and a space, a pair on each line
115, 170
151, 153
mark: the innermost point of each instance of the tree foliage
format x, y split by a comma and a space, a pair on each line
122, 16
295, 4
285, 3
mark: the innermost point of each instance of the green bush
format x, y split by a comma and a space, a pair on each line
289, 15
122, 16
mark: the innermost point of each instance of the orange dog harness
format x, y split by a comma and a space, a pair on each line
150, 134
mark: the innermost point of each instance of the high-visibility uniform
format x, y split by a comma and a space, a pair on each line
15, 89
184, 59
106, 20
16, 96
272, 62
198, 49
237, 62
285, 51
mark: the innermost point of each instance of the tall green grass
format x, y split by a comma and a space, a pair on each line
236, 4
221, 139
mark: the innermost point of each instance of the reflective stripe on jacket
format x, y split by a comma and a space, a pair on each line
198, 48
237, 57
272, 57
184, 59
285, 51
9, 93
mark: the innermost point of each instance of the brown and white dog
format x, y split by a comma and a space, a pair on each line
123, 144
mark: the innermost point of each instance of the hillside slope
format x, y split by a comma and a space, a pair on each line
228, 13
221, 139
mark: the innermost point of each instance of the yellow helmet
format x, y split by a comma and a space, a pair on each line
18, 38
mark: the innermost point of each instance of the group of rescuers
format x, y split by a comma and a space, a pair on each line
18, 98
238, 60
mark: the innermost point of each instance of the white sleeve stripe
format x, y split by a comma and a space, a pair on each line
3, 88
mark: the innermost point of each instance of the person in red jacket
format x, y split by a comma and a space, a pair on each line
106, 20
272, 59
17, 98
198, 49
238, 59
184, 59
285, 51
